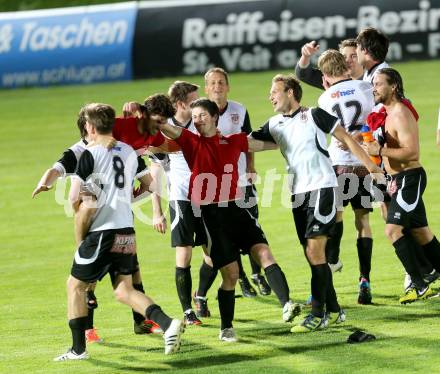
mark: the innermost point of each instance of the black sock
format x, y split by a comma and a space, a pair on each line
277, 281
156, 314
78, 328
365, 250
333, 246
206, 279
241, 273
137, 317
424, 264
405, 252
256, 269
331, 300
89, 323
319, 288
226, 305
432, 252
184, 286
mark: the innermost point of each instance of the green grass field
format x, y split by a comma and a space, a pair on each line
37, 249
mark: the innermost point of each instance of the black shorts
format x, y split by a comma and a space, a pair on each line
229, 230
355, 187
186, 228
250, 200
314, 213
105, 251
406, 207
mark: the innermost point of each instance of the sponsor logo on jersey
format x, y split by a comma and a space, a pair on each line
235, 118
339, 93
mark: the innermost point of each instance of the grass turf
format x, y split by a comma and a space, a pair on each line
37, 248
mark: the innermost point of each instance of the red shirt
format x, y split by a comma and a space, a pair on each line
125, 130
214, 166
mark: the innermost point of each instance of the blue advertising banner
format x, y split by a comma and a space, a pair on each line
67, 46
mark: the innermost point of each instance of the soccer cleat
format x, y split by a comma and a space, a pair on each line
309, 324
413, 294
335, 318
71, 355
92, 336
336, 267
147, 327
290, 311
228, 335
201, 304
191, 318
364, 292
246, 289
431, 277
261, 283
172, 336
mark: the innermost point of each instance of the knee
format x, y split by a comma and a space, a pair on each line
183, 256
263, 255
393, 232
121, 294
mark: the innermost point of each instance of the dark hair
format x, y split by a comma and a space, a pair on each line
393, 77
100, 116
159, 104
179, 91
374, 42
290, 83
81, 123
207, 104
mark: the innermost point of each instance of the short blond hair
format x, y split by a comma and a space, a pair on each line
332, 63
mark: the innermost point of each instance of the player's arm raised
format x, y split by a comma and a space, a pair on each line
46, 181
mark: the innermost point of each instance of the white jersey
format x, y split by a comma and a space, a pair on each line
111, 173
302, 141
235, 120
68, 161
351, 101
370, 74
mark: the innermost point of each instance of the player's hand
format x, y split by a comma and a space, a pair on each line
131, 109
160, 223
309, 49
372, 148
341, 145
40, 188
378, 174
251, 175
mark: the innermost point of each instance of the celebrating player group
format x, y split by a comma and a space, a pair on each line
204, 147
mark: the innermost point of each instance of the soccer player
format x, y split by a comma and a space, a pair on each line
234, 118
406, 220
313, 76
301, 135
351, 101
110, 244
213, 189
186, 230
371, 50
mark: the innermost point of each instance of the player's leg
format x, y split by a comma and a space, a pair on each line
143, 304
226, 301
333, 246
364, 246
140, 324
207, 275
92, 303
258, 279
246, 289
